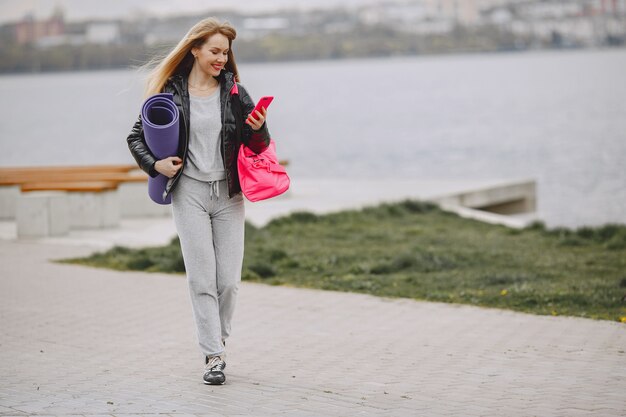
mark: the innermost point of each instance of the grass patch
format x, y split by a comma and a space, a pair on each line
152, 259
412, 249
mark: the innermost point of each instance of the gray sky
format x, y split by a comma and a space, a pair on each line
12, 10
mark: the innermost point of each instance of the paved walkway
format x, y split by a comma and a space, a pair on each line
77, 340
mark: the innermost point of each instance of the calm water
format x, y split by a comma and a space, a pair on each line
557, 117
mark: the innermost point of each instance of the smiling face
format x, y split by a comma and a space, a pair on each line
212, 55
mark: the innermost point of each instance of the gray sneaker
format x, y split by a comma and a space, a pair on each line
214, 371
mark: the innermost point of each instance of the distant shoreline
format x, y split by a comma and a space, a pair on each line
136, 67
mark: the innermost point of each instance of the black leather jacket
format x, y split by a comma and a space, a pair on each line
257, 141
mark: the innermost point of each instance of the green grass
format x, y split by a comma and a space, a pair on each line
413, 249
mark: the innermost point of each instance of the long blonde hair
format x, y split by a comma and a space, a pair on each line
180, 60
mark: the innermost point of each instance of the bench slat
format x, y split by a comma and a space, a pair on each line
18, 175
22, 177
78, 186
66, 177
71, 168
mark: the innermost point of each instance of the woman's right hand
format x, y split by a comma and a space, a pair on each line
168, 166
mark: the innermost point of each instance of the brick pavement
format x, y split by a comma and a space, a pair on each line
84, 341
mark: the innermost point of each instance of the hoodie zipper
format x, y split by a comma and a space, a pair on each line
223, 108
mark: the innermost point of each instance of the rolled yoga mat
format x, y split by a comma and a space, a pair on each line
160, 120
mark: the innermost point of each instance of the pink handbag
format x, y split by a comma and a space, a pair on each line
260, 175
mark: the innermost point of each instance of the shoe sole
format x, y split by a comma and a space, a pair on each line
214, 383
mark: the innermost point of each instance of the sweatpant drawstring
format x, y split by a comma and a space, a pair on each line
214, 190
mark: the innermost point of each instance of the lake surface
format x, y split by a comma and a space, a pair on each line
557, 117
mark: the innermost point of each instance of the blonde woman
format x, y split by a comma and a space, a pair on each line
207, 203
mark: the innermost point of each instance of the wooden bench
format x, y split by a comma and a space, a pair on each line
91, 204
20, 176
14, 180
97, 195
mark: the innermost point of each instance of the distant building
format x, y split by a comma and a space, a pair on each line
166, 31
252, 27
464, 12
55, 31
28, 30
102, 33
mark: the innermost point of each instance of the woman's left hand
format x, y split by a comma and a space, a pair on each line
257, 123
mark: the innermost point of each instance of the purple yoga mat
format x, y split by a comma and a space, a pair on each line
160, 119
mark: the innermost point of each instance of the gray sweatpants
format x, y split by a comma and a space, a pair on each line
211, 230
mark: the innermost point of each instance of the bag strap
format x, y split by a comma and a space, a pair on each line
277, 168
237, 111
264, 164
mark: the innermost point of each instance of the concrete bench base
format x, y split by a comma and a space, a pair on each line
8, 201
54, 213
94, 210
135, 202
42, 213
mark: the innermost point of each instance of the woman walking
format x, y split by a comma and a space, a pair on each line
207, 203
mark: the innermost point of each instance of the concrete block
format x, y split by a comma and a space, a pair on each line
510, 198
110, 208
489, 217
94, 210
495, 196
9, 195
134, 202
42, 213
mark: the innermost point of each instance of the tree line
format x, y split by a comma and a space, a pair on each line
358, 43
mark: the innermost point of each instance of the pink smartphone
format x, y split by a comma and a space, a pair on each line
263, 102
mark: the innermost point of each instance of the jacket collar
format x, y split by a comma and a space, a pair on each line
225, 78
227, 81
